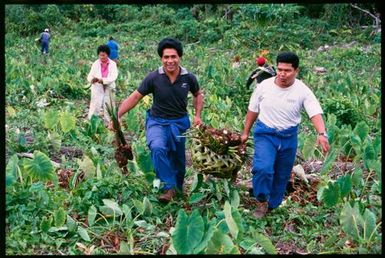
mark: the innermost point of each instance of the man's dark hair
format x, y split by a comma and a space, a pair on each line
288, 57
170, 43
111, 38
103, 48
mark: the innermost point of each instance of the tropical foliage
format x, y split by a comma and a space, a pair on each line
65, 192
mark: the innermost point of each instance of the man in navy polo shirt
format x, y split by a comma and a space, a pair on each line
168, 118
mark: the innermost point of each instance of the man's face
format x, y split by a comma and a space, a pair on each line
170, 60
286, 74
103, 56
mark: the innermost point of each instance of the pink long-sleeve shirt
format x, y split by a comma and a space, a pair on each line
104, 68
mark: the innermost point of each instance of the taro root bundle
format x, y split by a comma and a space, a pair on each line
218, 152
123, 151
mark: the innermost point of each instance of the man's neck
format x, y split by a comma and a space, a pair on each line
174, 73
282, 86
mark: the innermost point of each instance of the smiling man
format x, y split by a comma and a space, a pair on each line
277, 103
168, 118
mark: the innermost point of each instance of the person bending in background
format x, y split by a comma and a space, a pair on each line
263, 72
44, 41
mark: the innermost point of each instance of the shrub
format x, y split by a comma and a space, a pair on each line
343, 108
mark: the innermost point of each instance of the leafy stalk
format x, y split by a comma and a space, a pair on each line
123, 151
113, 113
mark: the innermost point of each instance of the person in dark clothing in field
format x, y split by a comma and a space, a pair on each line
44, 41
263, 71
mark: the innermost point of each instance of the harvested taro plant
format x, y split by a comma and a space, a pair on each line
123, 151
218, 152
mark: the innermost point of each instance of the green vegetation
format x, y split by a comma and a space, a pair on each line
81, 203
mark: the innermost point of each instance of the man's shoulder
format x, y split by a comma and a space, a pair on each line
301, 87
300, 84
153, 74
191, 75
185, 72
267, 82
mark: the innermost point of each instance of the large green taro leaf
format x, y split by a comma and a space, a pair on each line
40, 167
188, 232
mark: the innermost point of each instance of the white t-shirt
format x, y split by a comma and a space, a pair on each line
280, 108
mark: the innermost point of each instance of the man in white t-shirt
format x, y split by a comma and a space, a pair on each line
277, 103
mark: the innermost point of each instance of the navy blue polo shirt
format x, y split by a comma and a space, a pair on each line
169, 99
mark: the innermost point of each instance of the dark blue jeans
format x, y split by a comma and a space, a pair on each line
44, 47
274, 155
167, 150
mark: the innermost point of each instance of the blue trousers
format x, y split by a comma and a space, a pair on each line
274, 156
44, 47
167, 149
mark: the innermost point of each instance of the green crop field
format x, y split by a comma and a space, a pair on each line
65, 193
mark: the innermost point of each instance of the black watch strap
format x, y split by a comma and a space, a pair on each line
324, 134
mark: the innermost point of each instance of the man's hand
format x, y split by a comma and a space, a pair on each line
197, 121
324, 142
244, 137
94, 80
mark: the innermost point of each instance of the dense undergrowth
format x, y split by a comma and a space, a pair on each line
82, 204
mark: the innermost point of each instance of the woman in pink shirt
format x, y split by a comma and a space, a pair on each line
102, 77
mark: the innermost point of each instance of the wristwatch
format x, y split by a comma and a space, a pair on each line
324, 134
